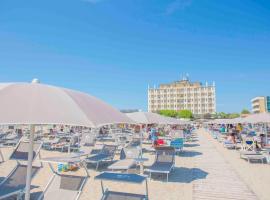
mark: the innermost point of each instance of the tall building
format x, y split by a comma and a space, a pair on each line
260, 104
182, 95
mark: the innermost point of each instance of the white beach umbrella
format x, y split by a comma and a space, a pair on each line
258, 118
148, 118
35, 104
175, 121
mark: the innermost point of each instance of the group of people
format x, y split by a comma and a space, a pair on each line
239, 131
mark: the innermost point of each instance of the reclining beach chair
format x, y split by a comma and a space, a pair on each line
252, 155
247, 143
106, 154
60, 186
177, 144
127, 157
124, 178
229, 145
88, 139
20, 152
12, 139
14, 183
164, 161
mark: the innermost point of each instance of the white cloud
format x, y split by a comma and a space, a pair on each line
177, 5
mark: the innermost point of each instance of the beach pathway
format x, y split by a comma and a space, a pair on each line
222, 181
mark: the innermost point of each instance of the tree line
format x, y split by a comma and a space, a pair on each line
189, 115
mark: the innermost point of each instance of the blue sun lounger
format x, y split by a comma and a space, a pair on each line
124, 178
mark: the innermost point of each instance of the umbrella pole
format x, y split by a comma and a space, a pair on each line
141, 138
29, 163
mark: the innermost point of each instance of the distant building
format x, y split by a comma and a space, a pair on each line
183, 95
260, 104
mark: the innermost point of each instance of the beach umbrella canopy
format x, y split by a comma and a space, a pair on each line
258, 118
28, 103
226, 121
148, 118
35, 104
174, 121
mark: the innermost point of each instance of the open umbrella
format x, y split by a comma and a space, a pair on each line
258, 118
148, 118
35, 104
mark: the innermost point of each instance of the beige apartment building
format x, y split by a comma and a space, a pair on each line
260, 104
183, 94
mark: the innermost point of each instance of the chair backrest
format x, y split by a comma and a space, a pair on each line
88, 138
21, 151
165, 155
130, 153
177, 143
109, 150
134, 143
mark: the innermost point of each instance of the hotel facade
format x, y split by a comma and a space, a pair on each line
260, 104
183, 95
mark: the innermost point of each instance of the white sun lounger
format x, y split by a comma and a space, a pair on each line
252, 155
14, 183
68, 187
164, 161
126, 159
124, 178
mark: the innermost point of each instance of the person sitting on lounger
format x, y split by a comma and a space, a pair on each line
231, 138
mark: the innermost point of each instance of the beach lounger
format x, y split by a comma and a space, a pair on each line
252, 155
20, 152
14, 184
106, 154
60, 186
229, 145
177, 144
124, 178
164, 161
127, 157
12, 139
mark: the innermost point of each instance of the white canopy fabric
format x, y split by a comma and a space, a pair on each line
35, 103
153, 118
258, 118
148, 118
226, 121
174, 121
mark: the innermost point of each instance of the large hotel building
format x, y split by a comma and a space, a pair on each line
183, 95
260, 104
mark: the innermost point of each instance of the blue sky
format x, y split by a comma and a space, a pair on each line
113, 49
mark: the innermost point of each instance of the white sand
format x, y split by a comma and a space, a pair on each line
180, 185
255, 175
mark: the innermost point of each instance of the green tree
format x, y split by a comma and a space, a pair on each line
222, 115
184, 114
233, 115
245, 111
168, 113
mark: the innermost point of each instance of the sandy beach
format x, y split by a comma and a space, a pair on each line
193, 172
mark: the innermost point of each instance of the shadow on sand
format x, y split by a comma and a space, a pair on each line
191, 145
190, 154
182, 175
